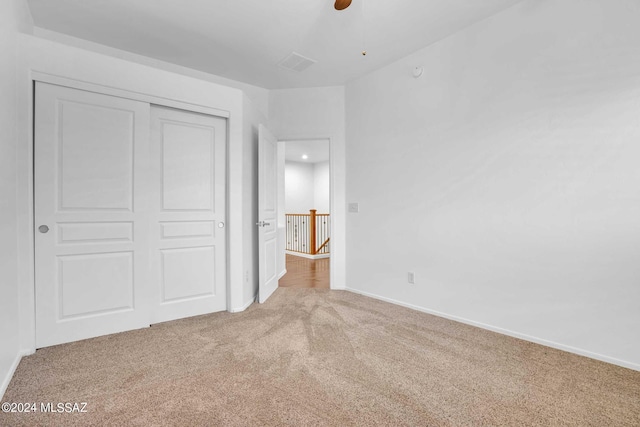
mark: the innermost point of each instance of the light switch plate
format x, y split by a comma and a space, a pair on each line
354, 207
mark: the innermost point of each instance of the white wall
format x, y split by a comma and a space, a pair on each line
14, 17
306, 187
317, 113
259, 97
299, 185
507, 177
321, 189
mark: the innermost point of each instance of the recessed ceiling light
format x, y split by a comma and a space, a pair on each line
305, 157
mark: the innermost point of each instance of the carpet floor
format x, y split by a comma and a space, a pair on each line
311, 357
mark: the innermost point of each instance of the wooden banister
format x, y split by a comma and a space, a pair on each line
323, 245
312, 232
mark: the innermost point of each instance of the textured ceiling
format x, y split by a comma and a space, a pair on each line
246, 39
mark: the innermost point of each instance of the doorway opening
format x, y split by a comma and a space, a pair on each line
307, 205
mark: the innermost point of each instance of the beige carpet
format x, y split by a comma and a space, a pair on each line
317, 357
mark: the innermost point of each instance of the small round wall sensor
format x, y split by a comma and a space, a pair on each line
417, 72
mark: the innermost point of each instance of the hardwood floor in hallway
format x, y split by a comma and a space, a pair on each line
305, 273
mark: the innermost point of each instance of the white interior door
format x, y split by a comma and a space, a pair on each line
267, 213
91, 237
188, 236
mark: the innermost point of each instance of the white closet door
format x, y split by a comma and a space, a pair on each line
91, 232
188, 235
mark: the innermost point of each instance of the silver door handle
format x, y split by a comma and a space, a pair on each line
43, 229
263, 223
221, 225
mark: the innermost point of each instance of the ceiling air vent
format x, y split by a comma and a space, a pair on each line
296, 62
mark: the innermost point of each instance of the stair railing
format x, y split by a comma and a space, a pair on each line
308, 233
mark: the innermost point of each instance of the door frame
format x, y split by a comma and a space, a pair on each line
25, 184
334, 261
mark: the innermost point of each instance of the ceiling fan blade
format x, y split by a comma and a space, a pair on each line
342, 4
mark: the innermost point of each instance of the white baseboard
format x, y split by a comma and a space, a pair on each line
308, 256
552, 344
12, 370
244, 307
282, 274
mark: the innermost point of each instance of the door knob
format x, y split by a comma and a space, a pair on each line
262, 223
221, 225
43, 229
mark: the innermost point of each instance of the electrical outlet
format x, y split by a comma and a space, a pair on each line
411, 278
354, 207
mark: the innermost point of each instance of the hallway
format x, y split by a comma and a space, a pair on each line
305, 273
